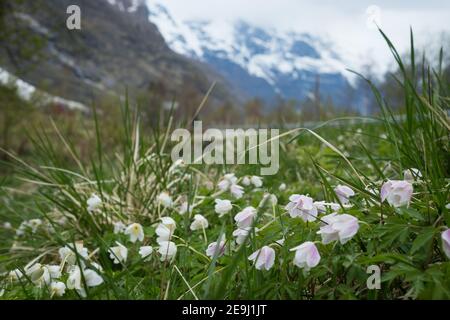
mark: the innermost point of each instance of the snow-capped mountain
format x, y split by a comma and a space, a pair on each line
261, 62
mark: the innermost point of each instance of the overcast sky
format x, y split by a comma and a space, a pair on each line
342, 21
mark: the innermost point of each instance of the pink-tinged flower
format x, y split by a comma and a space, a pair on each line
222, 207
199, 223
263, 258
216, 248
301, 206
237, 191
242, 233
397, 192
446, 242
322, 206
306, 255
340, 227
229, 182
412, 174
344, 193
256, 181
246, 217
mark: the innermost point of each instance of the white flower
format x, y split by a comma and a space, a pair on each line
306, 255
340, 227
57, 288
31, 225
185, 207
270, 198
216, 248
446, 242
119, 227
301, 206
54, 270
165, 229
69, 253
242, 233
237, 191
256, 181
118, 253
344, 193
222, 207
397, 192
39, 274
165, 199
145, 252
7, 225
246, 181
93, 202
229, 182
322, 206
282, 187
199, 223
412, 174
246, 217
15, 275
74, 281
263, 258
167, 250
135, 231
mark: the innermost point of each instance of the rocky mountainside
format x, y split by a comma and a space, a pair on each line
261, 62
117, 48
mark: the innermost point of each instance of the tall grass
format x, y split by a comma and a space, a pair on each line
404, 241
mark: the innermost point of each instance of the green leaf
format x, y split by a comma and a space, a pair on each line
423, 239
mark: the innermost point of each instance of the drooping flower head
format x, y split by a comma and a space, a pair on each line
222, 207
301, 206
446, 242
246, 217
167, 250
306, 255
263, 258
340, 227
199, 223
344, 193
398, 193
118, 253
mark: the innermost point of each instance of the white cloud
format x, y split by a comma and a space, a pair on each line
342, 22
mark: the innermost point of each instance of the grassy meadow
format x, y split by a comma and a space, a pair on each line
104, 213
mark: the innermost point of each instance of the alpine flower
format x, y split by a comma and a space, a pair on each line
301, 206
397, 192
446, 242
199, 223
167, 250
135, 231
118, 253
222, 207
246, 217
263, 258
306, 255
340, 227
93, 202
344, 193
145, 252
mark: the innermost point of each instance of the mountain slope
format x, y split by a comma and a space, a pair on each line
261, 62
116, 49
